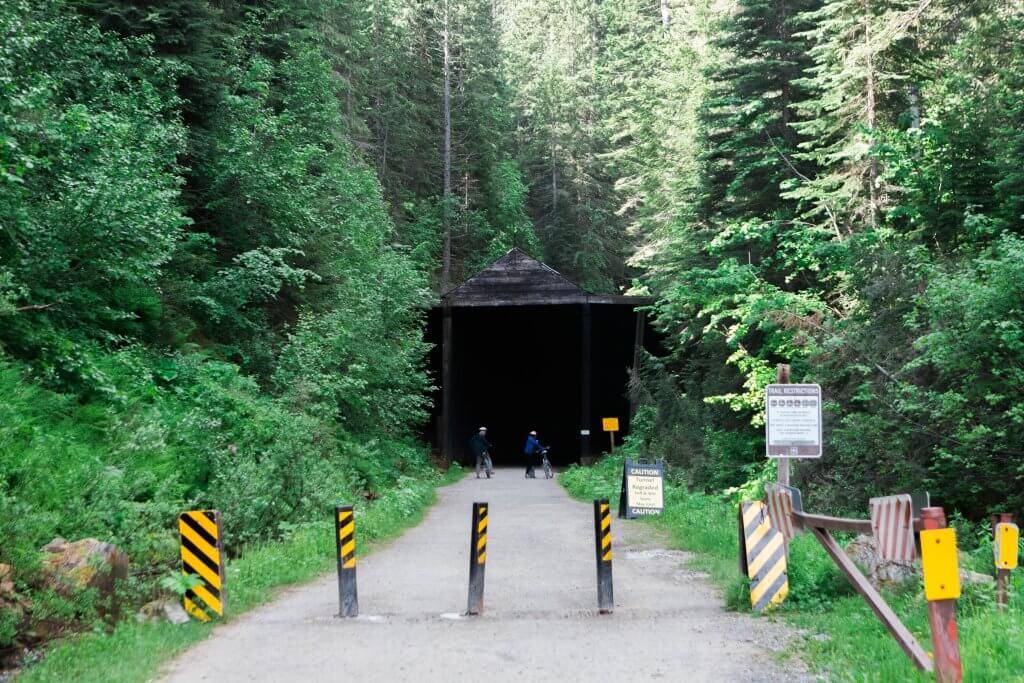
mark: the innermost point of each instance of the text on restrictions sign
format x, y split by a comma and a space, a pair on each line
792, 422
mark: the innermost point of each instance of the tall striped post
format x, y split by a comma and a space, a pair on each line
345, 534
603, 548
477, 559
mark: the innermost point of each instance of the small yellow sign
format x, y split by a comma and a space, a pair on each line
1006, 545
939, 564
610, 424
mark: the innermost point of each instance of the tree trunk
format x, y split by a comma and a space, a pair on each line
378, 98
446, 256
873, 165
554, 178
666, 19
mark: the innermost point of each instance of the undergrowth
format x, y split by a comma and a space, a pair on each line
134, 652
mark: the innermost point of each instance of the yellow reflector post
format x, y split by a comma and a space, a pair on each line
939, 564
1006, 545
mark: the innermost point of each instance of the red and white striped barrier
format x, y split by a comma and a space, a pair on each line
782, 501
892, 523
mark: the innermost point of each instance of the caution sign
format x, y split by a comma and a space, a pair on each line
763, 555
642, 492
202, 555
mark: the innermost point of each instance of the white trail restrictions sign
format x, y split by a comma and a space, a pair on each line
792, 422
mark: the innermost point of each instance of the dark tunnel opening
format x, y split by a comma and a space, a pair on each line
517, 368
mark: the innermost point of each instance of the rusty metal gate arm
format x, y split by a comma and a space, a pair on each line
903, 636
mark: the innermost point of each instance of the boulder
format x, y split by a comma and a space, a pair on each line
884, 573
878, 571
72, 567
968, 577
163, 610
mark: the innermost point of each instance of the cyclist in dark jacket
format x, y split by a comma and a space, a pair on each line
532, 449
480, 447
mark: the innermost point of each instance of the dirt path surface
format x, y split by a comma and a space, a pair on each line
540, 621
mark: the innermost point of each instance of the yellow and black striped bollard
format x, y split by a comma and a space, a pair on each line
202, 554
477, 558
345, 526
603, 546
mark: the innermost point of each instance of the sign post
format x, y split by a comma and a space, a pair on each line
642, 492
1005, 542
610, 425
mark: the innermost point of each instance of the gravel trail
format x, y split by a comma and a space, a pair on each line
540, 621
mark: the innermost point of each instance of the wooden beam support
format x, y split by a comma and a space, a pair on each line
782, 377
586, 419
638, 347
808, 521
447, 334
903, 636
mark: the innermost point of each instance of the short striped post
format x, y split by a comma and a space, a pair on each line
202, 555
603, 554
345, 534
477, 559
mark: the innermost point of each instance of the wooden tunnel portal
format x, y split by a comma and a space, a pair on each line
520, 347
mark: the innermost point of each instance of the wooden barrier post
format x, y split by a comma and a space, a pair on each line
820, 526
782, 377
942, 612
1002, 575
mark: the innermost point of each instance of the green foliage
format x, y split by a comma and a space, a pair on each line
89, 210
850, 216
134, 652
203, 302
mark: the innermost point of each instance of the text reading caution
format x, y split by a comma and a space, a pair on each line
642, 490
793, 420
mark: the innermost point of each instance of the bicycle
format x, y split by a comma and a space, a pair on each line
548, 472
485, 460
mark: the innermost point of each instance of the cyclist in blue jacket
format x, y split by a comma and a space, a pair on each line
531, 449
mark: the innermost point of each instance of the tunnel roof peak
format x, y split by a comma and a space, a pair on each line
518, 279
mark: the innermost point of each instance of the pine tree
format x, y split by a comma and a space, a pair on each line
749, 115
852, 94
